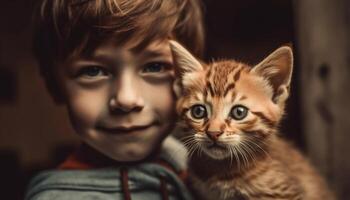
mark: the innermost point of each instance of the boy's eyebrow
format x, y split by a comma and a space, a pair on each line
102, 57
107, 56
155, 53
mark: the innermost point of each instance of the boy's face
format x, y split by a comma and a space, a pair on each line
120, 101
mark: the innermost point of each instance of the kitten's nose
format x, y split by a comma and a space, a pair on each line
214, 135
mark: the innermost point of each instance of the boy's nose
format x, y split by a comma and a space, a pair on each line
126, 98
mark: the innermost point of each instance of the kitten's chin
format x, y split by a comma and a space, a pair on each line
216, 153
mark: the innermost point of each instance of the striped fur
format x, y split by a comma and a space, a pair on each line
242, 159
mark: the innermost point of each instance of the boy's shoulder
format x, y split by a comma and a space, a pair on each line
68, 184
144, 181
174, 153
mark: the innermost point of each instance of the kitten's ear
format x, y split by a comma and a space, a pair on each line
277, 69
186, 67
185, 62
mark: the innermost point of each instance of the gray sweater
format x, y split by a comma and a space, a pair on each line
144, 181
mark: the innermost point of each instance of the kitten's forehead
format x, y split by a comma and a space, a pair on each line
221, 73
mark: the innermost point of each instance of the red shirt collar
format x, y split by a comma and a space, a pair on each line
86, 157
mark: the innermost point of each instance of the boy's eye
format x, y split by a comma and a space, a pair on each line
92, 71
156, 67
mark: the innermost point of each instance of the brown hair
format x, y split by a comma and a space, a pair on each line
66, 28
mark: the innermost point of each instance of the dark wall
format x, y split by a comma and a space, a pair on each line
34, 133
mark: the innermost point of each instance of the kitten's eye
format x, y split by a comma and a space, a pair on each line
92, 72
198, 112
239, 112
156, 67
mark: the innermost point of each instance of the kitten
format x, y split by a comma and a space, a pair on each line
231, 112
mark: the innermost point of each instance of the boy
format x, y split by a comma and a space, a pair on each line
109, 63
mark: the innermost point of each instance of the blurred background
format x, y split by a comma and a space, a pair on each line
35, 133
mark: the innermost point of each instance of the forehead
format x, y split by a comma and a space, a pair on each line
221, 72
109, 46
230, 78
223, 75
254, 86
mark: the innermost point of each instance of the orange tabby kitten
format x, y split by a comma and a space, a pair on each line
231, 112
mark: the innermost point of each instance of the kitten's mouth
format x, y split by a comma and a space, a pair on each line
216, 151
215, 145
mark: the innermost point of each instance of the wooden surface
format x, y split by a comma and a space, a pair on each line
323, 31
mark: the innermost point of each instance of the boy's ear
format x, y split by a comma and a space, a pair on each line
186, 67
277, 69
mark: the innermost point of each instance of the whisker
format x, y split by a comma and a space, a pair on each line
231, 155
237, 157
247, 150
242, 153
259, 147
191, 150
186, 137
251, 151
200, 150
190, 140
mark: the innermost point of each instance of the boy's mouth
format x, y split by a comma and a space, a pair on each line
124, 129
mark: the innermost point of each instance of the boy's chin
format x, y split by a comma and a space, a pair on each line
126, 148
128, 158
128, 153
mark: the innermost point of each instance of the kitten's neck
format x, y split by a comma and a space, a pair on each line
205, 167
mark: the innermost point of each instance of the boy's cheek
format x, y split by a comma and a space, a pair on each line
86, 106
162, 98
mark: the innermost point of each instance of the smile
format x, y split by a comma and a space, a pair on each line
124, 129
